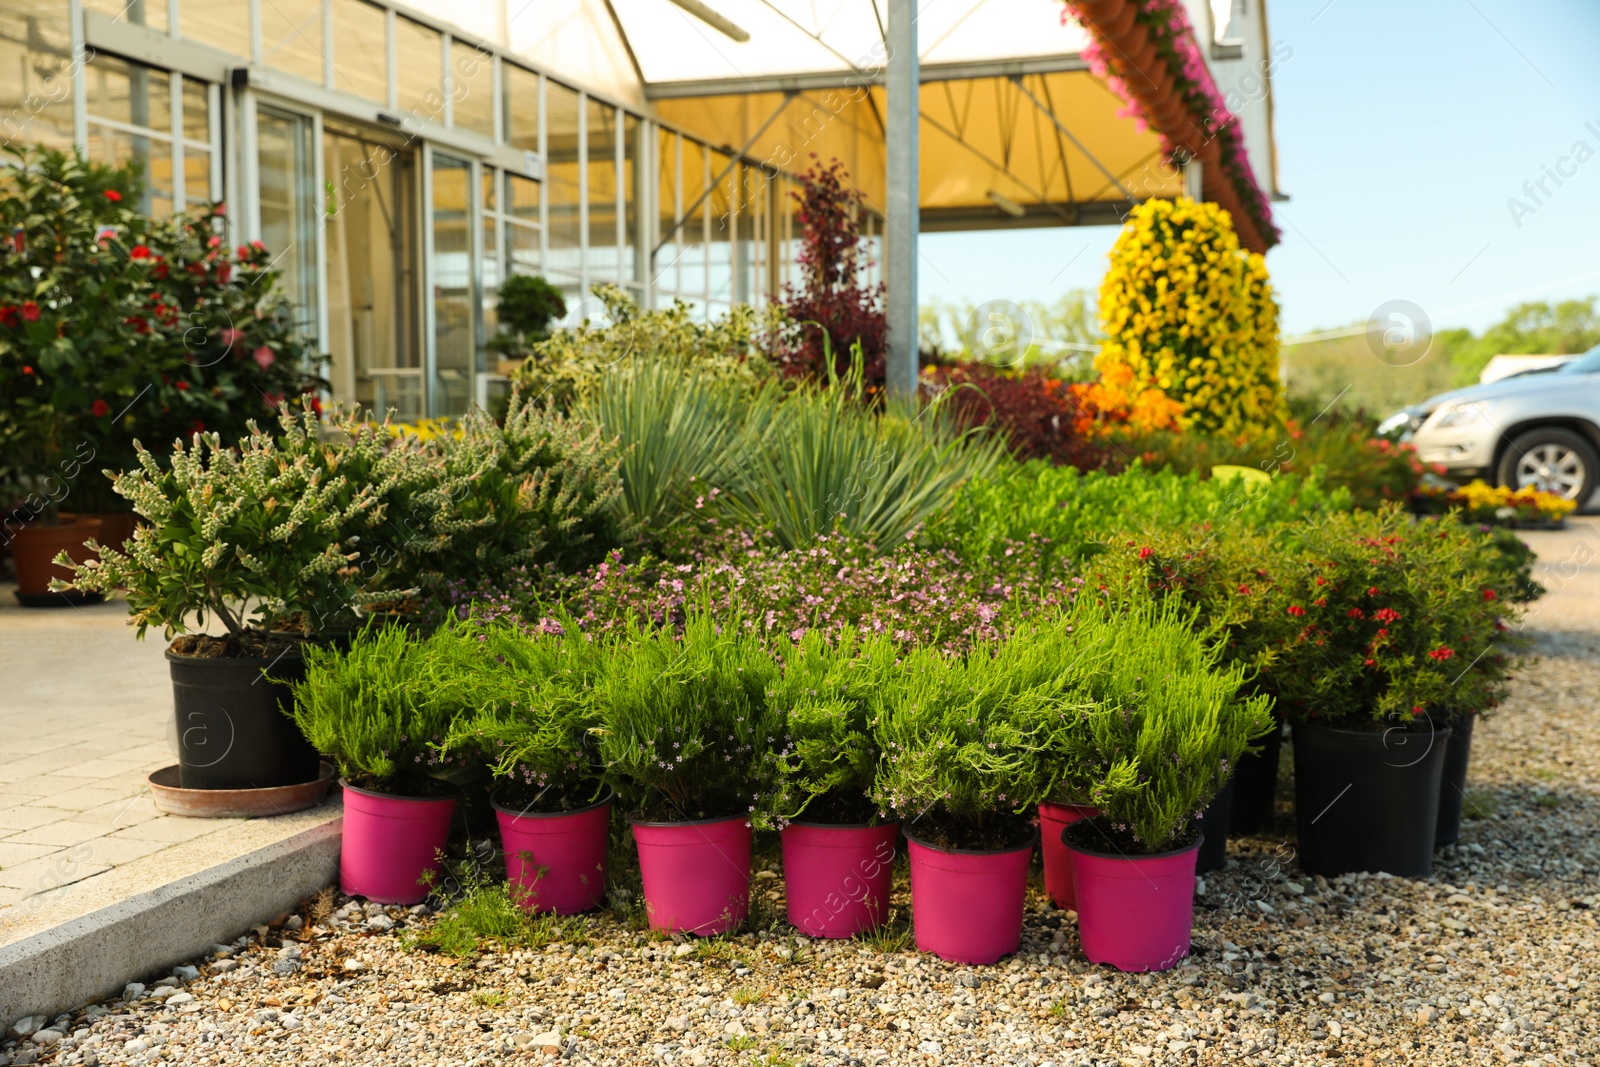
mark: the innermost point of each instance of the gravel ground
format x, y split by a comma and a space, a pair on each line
1496, 959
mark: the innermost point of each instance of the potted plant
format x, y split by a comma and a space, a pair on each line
372, 710
1223, 571
522, 698
526, 306
1397, 627
265, 539
686, 738
965, 757
1166, 729
838, 847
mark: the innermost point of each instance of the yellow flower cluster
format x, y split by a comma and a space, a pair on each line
1192, 314
1483, 500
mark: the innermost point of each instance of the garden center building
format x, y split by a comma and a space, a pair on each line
400, 160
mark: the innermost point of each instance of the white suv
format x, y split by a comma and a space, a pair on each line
1539, 428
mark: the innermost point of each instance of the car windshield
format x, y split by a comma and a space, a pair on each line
1588, 363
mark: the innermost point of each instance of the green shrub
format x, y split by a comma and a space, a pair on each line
372, 709
1077, 511
522, 699
969, 744
571, 364
829, 697
1166, 728
683, 727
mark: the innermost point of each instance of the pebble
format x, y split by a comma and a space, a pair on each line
186, 972
47, 1037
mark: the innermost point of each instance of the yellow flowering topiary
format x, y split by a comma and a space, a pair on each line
1190, 313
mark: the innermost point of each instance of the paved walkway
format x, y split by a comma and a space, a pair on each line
85, 716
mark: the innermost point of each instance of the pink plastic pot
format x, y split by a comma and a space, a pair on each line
967, 906
1053, 819
1134, 912
837, 877
696, 874
557, 861
390, 842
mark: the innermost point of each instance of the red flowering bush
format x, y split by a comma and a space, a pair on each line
114, 325
834, 310
1390, 619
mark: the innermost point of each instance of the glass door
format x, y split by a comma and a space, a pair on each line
287, 206
452, 224
373, 338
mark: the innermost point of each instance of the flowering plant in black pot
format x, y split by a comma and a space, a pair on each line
1399, 631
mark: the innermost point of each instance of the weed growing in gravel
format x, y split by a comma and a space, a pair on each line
488, 1000
1480, 804
742, 1043
745, 996
893, 936
487, 913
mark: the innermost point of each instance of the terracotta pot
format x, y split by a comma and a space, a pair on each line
116, 527
34, 546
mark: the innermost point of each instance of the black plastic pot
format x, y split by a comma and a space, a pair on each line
1453, 787
1214, 845
233, 727
1368, 800
1255, 788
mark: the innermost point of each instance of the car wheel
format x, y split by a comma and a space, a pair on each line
1553, 460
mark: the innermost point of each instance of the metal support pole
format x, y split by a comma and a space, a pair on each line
1192, 186
902, 210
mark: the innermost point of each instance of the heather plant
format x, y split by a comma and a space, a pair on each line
1164, 727
683, 727
1393, 620
539, 489
829, 696
372, 709
523, 700
265, 537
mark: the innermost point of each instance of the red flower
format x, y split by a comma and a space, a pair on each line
1442, 653
1296, 609
100, 408
1245, 589
1321, 580
1356, 613
26, 369
1145, 553
139, 325
182, 384
1386, 615
257, 245
139, 252
1370, 662
113, 196
213, 241
1321, 602
1488, 594
197, 426
8, 316
30, 311
263, 357
1372, 590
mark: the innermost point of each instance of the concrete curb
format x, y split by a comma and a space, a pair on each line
94, 956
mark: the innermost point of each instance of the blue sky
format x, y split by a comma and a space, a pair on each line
1403, 129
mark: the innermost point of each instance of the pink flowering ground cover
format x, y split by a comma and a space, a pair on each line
918, 596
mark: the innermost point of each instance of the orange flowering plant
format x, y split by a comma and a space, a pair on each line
1391, 620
